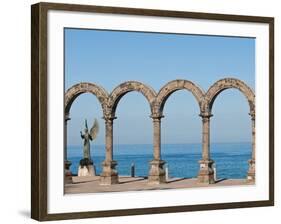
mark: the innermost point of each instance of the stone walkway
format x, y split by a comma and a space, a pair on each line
126, 183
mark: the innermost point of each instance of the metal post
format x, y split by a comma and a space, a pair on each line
132, 170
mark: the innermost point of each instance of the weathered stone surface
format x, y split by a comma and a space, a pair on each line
73, 92
67, 163
127, 87
157, 135
156, 102
175, 85
109, 175
252, 162
224, 84
206, 172
252, 170
67, 176
206, 108
67, 172
157, 173
206, 135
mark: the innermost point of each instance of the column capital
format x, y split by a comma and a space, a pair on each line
156, 116
66, 117
205, 115
108, 118
253, 115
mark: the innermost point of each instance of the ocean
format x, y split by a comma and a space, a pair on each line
231, 159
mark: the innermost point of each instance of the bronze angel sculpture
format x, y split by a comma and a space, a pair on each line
89, 136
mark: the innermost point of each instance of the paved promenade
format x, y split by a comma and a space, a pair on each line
126, 183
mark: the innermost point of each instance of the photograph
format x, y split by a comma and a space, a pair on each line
147, 111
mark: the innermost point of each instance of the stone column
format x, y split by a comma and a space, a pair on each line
109, 174
67, 163
206, 172
252, 161
157, 171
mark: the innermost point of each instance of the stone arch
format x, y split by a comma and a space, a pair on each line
127, 87
73, 92
224, 84
175, 85
206, 172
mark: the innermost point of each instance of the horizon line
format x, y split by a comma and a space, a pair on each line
166, 143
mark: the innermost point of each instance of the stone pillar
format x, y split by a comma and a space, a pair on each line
67, 163
157, 171
252, 161
109, 174
206, 172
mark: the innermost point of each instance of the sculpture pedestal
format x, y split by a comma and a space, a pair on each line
86, 171
252, 171
109, 174
157, 172
206, 172
86, 168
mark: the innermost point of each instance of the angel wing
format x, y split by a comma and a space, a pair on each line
95, 129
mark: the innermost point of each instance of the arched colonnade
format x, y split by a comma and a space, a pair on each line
109, 103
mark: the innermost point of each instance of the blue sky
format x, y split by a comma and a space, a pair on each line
109, 58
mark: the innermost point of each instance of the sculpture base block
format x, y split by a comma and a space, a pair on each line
86, 171
157, 174
109, 174
206, 172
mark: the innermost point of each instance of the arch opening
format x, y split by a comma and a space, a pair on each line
181, 134
133, 135
230, 134
85, 106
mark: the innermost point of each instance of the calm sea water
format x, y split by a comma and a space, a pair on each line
182, 159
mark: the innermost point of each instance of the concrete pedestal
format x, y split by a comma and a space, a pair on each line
86, 171
157, 173
206, 172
